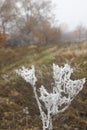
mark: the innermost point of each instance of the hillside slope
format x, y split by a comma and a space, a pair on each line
16, 94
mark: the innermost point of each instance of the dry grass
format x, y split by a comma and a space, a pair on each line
15, 94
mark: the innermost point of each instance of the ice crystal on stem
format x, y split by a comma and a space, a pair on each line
64, 91
28, 75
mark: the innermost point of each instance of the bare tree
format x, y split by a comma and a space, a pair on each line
80, 33
28, 21
8, 13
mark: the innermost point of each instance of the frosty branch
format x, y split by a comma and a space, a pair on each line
64, 91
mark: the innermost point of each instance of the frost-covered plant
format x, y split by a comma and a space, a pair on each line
64, 91
28, 75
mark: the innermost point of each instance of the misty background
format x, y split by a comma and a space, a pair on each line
71, 12
42, 22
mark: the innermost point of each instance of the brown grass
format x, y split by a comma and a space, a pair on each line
15, 93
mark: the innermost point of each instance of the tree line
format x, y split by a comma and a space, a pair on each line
28, 22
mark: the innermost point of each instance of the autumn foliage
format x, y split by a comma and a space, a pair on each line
2, 39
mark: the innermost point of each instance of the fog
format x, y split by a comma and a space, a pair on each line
71, 12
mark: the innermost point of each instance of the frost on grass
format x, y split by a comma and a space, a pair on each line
64, 91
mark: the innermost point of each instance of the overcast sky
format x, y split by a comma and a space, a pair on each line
71, 12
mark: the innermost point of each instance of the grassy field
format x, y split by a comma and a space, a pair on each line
16, 94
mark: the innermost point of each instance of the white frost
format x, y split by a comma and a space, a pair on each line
28, 75
64, 91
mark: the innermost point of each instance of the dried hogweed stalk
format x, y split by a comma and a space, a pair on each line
64, 91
